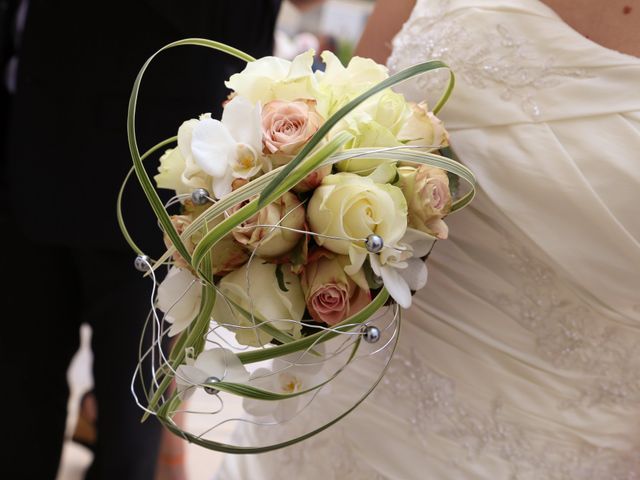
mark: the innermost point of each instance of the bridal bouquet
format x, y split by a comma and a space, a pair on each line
309, 207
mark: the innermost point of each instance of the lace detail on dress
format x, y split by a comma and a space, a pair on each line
496, 59
570, 335
435, 410
328, 455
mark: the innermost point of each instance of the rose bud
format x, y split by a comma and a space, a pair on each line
428, 197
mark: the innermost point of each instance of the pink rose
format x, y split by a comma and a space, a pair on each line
426, 190
287, 126
330, 294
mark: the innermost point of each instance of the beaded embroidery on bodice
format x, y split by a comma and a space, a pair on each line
497, 58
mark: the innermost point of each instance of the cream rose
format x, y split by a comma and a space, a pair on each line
255, 288
341, 84
375, 123
423, 128
428, 197
332, 295
262, 231
287, 126
271, 78
351, 208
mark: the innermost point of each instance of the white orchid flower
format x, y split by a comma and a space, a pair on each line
291, 373
179, 299
217, 364
400, 266
229, 148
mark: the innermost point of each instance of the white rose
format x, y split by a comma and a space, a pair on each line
272, 78
255, 288
423, 128
349, 206
375, 123
340, 85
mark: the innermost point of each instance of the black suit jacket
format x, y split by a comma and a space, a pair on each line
68, 149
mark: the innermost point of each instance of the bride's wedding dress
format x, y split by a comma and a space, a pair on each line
521, 357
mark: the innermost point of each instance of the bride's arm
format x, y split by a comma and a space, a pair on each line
385, 21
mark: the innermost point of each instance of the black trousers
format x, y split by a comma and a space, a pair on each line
52, 291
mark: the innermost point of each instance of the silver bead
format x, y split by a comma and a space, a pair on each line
211, 381
374, 243
142, 263
371, 333
199, 196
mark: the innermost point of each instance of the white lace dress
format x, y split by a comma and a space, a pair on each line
521, 357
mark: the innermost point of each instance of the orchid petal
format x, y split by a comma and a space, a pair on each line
396, 285
223, 364
179, 298
261, 378
415, 274
187, 378
222, 185
212, 146
244, 121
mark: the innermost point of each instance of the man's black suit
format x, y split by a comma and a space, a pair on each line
67, 154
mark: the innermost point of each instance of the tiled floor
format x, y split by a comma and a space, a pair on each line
201, 463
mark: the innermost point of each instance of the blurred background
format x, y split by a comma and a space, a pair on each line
334, 25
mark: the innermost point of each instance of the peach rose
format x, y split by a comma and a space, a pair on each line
313, 180
330, 294
423, 128
226, 256
287, 126
180, 223
428, 198
258, 232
